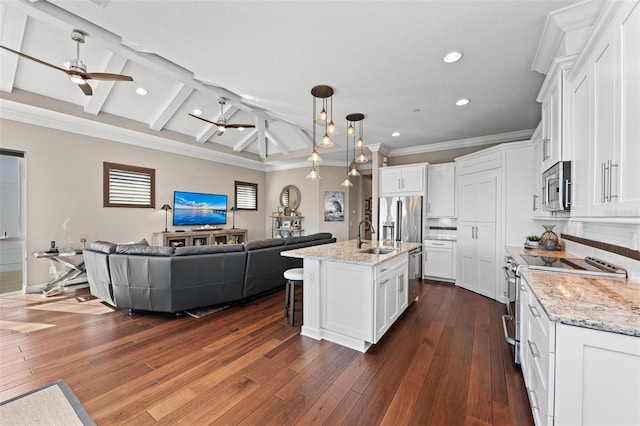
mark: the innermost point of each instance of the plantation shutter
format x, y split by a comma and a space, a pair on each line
128, 186
246, 196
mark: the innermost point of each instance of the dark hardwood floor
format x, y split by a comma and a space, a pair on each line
444, 362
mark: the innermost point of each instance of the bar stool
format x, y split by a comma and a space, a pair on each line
294, 277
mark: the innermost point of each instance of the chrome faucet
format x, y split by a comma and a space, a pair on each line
373, 231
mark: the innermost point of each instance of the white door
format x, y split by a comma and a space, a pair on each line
12, 258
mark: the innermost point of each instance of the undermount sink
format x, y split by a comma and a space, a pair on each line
378, 250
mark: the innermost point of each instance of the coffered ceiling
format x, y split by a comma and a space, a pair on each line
383, 59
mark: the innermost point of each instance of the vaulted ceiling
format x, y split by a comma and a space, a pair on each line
383, 59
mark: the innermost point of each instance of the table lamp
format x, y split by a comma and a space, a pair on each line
166, 209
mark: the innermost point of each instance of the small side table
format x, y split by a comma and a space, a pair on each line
56, 285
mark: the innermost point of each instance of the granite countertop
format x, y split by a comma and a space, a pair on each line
608, 304
347, 252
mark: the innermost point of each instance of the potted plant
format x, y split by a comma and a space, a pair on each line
533, 240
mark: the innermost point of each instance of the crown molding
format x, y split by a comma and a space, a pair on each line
23, 113
464, 143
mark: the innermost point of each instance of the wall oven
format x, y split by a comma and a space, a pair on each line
513, 276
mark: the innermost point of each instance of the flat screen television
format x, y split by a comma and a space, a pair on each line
193, 208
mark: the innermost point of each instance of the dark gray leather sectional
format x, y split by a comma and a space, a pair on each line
164, 279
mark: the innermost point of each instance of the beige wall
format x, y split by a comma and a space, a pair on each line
64, 185
436, 157
312, 203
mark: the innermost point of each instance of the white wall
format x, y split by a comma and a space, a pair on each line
64, 186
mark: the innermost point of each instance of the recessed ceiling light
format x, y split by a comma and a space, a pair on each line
141, 91
395, 134
452, 57
197, 112
462, 102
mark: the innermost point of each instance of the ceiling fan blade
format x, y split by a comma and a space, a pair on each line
106, 76
86, 89
34, 59
235, 126
203, 119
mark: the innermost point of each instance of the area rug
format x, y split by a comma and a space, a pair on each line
207, 310
53, 404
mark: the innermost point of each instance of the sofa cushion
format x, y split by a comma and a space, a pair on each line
254, 245
140, 250
297, 240
322, 236
103, 247
191, 250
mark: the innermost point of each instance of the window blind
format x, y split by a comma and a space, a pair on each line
246, 196
128, 186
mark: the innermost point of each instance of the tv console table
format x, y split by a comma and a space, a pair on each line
200, 237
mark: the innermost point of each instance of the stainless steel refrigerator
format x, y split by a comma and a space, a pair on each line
401, 220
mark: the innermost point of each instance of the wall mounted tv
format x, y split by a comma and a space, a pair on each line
193, 208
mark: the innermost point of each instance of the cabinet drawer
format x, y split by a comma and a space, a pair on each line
538, 397
385, 267
540, 326
438, 244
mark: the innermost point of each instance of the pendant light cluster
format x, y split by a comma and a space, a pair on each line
354, 120
325, 93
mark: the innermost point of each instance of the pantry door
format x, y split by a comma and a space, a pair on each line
12, 222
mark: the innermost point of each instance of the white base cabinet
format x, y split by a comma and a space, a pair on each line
577, 375
353, 304
439, 260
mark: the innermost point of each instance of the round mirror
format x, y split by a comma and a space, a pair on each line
290, 197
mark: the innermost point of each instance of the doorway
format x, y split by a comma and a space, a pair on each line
12, 218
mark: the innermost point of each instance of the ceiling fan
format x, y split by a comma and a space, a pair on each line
76, 69
222, 121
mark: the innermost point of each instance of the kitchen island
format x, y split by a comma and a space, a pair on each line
352, 296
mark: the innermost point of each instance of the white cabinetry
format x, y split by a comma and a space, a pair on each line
538, 187
439, 260
391, 296
552, 121
577, 375
477, 232
605, 108
402, 180
441, 179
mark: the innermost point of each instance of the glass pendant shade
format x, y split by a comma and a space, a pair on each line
361, 158
323, 116
360, 143
354, 170
332, 128
326, 141
314, 157
350, 130
346, 182
313, 173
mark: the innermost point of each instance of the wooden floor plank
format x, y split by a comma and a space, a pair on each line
443, 362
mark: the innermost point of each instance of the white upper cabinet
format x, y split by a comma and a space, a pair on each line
538, 187
402, 180
605, 117
441, 200
552, 121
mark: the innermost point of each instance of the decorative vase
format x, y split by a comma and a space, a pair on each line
549, 239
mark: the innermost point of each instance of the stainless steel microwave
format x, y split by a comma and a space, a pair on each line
556, 187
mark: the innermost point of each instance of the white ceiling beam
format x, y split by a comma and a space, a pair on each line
277, 142
262, 138
14, 24
165, 114
207, 133
246, 141
102, 90
304, 136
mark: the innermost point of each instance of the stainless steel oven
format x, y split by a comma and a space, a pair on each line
513, 276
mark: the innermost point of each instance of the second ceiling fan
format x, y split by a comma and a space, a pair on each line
222, 120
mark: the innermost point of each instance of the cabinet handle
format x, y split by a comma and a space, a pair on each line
534, 349
385, 281
476, 232
604, 183
429, 207
399, 183
534, 400
383, 270
535, 198
567, 194
534, 311
611, 166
